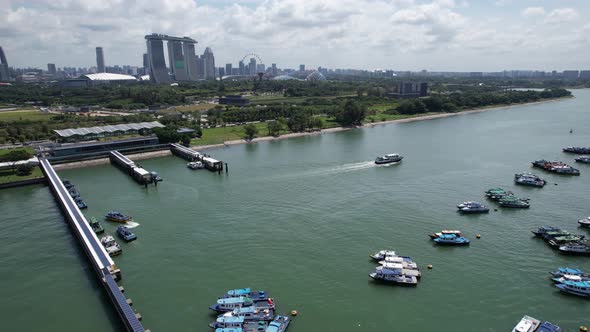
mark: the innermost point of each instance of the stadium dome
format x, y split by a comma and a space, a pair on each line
283, 78
110, 77
315, 76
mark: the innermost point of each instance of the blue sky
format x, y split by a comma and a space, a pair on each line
437, 35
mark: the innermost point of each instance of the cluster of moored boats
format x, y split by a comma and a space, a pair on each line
244, 310
395, 269
572, 281
530, 324
507, 198
75, 194
564, 241
556, 167
110, 244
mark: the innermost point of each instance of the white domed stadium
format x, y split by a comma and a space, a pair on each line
315, 76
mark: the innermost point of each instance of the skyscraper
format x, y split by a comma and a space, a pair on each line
4, 74
100, 60
183, 63
301, 67
146, 63
209, 63
274, 70
190, 60
242, 69
157, 61
252, 67
200, 67
51, 69
228, 69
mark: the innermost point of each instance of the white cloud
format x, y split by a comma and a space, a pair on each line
402, 34
533, 12
561, 15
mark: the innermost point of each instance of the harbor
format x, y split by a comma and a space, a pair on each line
321, 204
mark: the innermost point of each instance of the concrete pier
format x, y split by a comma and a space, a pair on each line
127, 165
104, 267
192, 155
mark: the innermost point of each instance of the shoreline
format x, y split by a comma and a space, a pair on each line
368, 125
226, 144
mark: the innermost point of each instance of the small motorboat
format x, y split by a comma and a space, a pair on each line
529, 179
126, 234
118, 217
111, 246
407, 264
67, 184
195, 165
394, 275
497, 194
527, 324
548, 327
388, 159
445, 231
279, 324
80, 203
514, 202
95, 225
156, 177
575, 249
472, 207
451, 239
543, 230
73, 192
578, 150
584, 222
383, 254
231, 303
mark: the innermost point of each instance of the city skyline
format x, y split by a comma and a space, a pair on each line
437, 35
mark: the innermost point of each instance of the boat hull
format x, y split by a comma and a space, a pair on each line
565, 289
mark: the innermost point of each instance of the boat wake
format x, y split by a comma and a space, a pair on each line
341, 169
388, 165
131, 224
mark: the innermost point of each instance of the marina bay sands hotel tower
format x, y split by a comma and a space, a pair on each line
181, 55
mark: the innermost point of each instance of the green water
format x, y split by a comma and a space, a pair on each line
299, 218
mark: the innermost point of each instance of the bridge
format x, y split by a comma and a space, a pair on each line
106, 270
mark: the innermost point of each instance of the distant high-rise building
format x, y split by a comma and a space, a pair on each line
51, 69
252, 67
200, 67
4, 74
157, 61
146, 63
260, 68
274, 71
177, 61
190, 60
242, 69
301, 67
100, 60
228, 69
571, 74
209, 63
221, 71
183, 63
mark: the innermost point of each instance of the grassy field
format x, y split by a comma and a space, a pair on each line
6, 151
32, 115
7, 176
192, 108
220, 135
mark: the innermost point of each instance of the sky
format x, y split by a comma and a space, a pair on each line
436, 35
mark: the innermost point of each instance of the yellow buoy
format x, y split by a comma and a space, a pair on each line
478, 236
583, 328
429, 266
293, 312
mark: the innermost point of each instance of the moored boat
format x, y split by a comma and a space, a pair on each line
472, 207
388, 158
126, 234
279, 324
543, 230
556, 167
514, 202
529, 179
95, 225
407, 264
67, 184
548, 327
111, 246
584, 222
80, 203
451, 239
579, 288
394, 274
400, 269
118, 217
570, 277
497, 194
195, 165
577, 150
156, 177
231, 303
382, 254
445, 231
575, 249
527, 324
560, 272
254, 295
583, 159
73, 192
251, 313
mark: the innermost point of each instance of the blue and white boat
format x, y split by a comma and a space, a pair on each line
399, 269
407, 264
529, 179
226, 322
231, 303
251, 313
254, 295
548, 327
394, 276
580, 288
279, 324
388, 159
560, 272
570, 277
126, 234
527, 324
382, 254
229, 329
584, 222
451, 239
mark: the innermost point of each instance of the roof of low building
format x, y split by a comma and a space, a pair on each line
108, 129
110, 77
